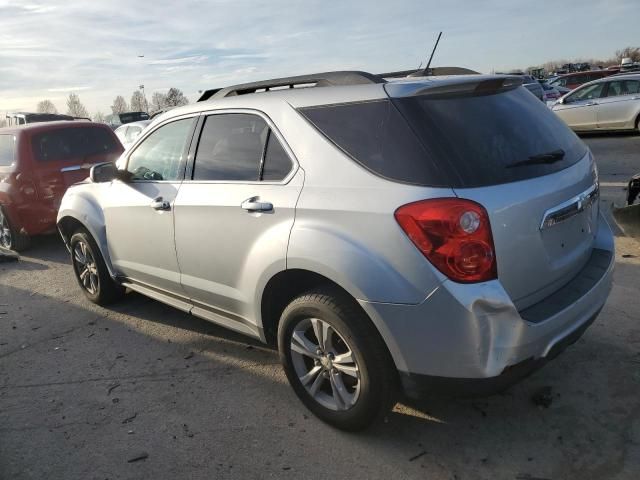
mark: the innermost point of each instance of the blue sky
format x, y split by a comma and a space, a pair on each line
51, 48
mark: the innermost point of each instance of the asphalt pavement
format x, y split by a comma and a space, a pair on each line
143, 391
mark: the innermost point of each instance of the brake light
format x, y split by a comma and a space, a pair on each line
455, 236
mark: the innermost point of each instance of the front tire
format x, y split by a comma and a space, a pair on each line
335, 359
9, 237
91, 271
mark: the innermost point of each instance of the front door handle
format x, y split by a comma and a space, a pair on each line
253, 205
590, 104
160, 204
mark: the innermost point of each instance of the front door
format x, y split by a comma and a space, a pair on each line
233, 218
139, 213
579, 108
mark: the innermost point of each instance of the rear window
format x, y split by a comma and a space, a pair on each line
456, 141
7, 150
73, 143
133, 117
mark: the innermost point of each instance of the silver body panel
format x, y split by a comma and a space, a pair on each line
209, 256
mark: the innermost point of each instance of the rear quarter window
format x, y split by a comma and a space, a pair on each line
7, 150
456, 141
73, 143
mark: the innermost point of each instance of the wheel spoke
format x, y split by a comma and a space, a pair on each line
313, 390
340, 395
309, 377
94, 282
318, 330
302, 345
344, 358
351, 370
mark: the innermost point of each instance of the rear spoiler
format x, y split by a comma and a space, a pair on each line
455, 86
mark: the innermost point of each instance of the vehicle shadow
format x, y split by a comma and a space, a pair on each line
174, 375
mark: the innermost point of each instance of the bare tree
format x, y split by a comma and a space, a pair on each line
158, 101
137, 102
46, 106
75, 107
628, 52
119, 105
175, 98
99, 117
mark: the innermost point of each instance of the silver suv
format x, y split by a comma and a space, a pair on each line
388, 235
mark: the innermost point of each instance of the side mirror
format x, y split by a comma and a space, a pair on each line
104, 172
561, 101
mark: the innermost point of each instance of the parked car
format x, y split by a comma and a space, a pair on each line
128, 133
37, 164
533, 85
550, 93
117, 119
22, 118
611, 103
574, 80
633, 189
376, 238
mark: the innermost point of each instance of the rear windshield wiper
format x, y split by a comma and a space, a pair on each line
542, 158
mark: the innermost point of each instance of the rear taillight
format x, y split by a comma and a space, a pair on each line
455, 236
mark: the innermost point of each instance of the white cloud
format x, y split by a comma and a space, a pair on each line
46, 48
68, 89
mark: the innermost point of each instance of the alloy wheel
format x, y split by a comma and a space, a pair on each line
86, 267
6, 240
325, 364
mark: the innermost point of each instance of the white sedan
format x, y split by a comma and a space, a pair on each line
611, 103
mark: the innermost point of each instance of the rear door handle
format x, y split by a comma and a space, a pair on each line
590, 104
160, 204
252, 205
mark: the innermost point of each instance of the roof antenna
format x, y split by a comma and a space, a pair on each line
426, 70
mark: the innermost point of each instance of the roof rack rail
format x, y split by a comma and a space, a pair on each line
316, 79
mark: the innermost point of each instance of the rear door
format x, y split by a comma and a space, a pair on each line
63, 156
620, 106
234, 216
578, 109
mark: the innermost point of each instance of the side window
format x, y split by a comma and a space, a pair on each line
277, 163
615, 89
231, 147
587, 93
160, 156
7, 150
632, 86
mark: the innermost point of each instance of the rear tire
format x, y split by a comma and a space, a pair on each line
335, 359
10, 238
91, 272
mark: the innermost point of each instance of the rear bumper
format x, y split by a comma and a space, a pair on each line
472, 337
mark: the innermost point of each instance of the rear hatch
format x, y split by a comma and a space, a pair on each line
63, 156
535, 177
492, 142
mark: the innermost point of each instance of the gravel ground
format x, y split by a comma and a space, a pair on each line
144, 391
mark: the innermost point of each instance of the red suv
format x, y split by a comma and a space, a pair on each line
37, 163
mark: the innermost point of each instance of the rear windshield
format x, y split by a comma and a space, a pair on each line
456, 141
73, 143
133, 117
7, 150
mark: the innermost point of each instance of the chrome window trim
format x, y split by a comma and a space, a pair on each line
295, 165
